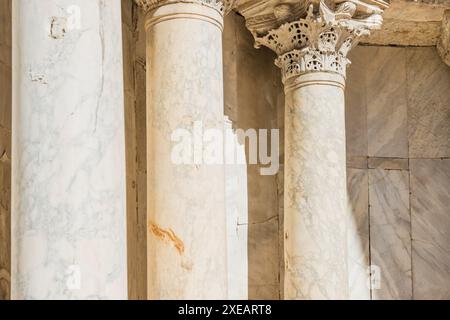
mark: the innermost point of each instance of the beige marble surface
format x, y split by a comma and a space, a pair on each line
428, 104
430, 205
390, 233
133, 34
386, 102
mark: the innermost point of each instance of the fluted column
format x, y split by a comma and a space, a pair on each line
68, 155
186, 205
312, 56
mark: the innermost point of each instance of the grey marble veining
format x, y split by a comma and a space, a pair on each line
430, 214
428, 104
386, 102
390, 234
358, 234
388, 163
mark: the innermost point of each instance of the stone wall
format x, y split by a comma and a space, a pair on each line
398, 150
5, 148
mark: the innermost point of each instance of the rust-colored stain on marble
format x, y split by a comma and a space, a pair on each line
168, 234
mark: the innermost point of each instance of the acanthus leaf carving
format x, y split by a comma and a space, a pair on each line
321, 40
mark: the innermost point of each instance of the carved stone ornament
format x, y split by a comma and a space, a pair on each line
224, 6
443, 45
321, 40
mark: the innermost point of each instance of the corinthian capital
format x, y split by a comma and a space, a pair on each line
322, 38
443, 45
223, 6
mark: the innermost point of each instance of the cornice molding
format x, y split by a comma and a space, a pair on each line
223, 6
321, 40
443, 45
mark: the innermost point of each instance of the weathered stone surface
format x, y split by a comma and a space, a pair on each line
410, 23
358, 234
312, 45
5, 148
443, 45
68, 190
428, 104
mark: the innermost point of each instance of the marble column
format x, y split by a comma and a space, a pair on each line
186, 203
68, 155
312, 56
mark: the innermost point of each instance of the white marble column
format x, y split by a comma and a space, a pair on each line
68, 187
186, 203
312, 55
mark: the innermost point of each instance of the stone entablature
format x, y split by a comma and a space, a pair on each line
322, 39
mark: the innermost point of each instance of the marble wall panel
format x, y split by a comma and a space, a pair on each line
135, 114
386, 86
428, 104
263, 260
390, 233
358, 234
430, 214
388, 163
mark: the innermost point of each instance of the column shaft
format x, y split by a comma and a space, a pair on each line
68, 186
186, 206
315, 189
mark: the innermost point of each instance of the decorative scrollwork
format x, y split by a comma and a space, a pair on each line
321, 40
